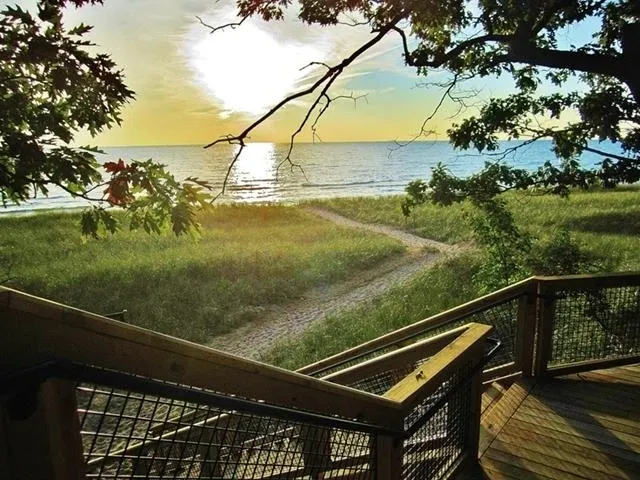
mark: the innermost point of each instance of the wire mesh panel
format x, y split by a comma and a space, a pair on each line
127, 434
595, 324
438, 429
502, 316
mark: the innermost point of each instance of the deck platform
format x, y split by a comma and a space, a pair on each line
582, 426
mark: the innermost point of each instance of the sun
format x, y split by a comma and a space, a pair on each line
248, 69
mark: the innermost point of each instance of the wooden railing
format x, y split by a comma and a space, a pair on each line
80, 394
526, 317
405, 405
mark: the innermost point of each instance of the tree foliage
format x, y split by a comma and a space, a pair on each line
596, 81
52, 86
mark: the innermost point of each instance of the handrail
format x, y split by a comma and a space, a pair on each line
411, 353
426, 378
37, 331
415, 329
65, 370
472, 371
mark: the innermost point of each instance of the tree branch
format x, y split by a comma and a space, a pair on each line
326, 80
213, 29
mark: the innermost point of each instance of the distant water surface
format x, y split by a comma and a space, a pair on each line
326, 169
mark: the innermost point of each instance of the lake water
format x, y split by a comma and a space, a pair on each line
327, 169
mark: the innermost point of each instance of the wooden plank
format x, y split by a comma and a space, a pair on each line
631, 368
455, 314
561, 462
613, 375
594, 398
585, 444
588, 365
586, 430
397, 359
5, 460
575, 419
491, 396
592, 281
572, 410
494, 422
529, 465
49, 330
497, 470
593, 459
428, 377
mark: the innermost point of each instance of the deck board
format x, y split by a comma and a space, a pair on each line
580, 426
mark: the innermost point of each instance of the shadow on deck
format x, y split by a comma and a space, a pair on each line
580, 426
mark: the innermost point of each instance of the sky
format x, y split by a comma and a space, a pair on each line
193, 86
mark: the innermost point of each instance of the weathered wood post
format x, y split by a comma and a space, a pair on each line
41, 433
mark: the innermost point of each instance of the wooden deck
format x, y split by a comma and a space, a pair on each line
583, 426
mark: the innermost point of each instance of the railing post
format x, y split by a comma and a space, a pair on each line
475, 412
526, 329
544, 342
42, 433
389, 451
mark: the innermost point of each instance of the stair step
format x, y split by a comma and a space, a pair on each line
491, 396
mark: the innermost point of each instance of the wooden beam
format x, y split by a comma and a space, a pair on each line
397, 336
397, 359
544, 339
425, 379
497, 373
604, 280
590, 365
43, 433
37, 330
389, 453
526, 330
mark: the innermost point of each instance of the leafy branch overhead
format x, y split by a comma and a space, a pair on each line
51, 87
595, 85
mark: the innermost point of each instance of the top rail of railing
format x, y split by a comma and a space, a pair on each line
36, 331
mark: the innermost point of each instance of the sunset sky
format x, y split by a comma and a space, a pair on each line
193, 86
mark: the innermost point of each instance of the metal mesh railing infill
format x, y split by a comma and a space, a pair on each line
438, 429
595, 324
139, 428
501, 315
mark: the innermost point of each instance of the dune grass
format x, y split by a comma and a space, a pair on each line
606, 222
431, 292
246, 258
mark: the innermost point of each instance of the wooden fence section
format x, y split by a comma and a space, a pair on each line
405, 405
92, 415
549, 330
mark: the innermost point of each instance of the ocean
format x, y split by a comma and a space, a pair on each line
325, 169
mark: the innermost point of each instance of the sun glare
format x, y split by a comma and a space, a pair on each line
247, 69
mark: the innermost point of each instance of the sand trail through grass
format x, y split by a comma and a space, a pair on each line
282, 322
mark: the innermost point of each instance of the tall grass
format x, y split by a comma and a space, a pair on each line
431, 292
605, 222
248, 257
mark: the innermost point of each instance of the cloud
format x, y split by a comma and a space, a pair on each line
251, 68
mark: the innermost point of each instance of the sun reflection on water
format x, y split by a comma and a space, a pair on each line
254, 177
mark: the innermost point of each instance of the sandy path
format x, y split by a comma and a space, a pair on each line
280, 322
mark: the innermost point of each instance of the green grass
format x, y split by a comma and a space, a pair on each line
605, 222
431, 292
247, 257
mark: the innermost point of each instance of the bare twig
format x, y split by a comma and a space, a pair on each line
324, 83
213, 29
